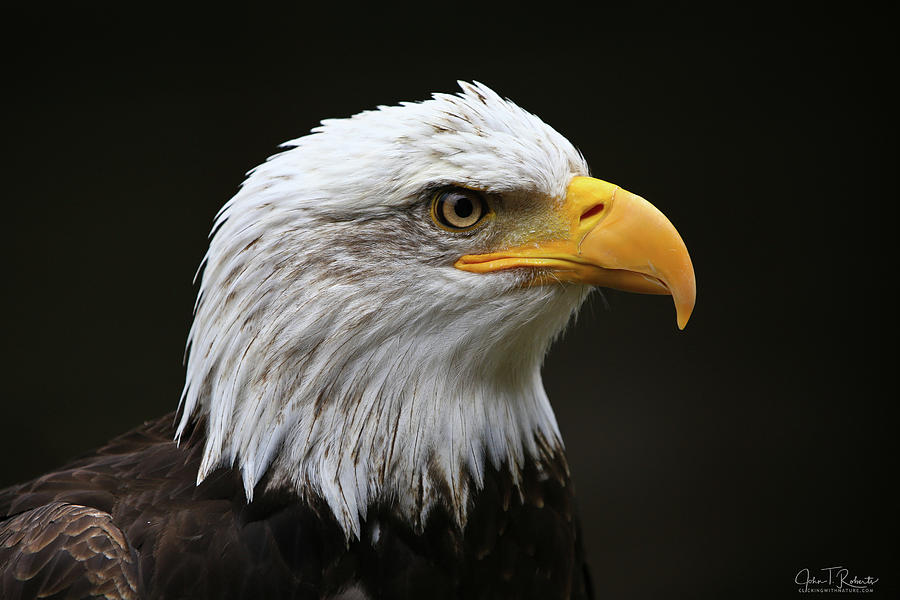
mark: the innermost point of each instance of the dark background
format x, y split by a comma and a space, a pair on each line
715, 462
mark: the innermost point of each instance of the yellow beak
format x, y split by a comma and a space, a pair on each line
615, 239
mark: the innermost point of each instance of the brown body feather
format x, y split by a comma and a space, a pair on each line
128, 521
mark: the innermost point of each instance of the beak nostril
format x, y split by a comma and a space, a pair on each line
594, 210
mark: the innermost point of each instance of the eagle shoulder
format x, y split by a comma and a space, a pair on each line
65, 550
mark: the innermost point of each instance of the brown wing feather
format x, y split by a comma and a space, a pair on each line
62, 550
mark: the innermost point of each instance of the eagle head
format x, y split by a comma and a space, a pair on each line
377, 300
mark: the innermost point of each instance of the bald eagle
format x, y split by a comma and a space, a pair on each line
363, 414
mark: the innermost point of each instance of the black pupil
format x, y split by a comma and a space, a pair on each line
462, 206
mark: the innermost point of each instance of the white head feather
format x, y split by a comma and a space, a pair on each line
334, 344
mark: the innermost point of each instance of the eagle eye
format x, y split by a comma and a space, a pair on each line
458, 209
